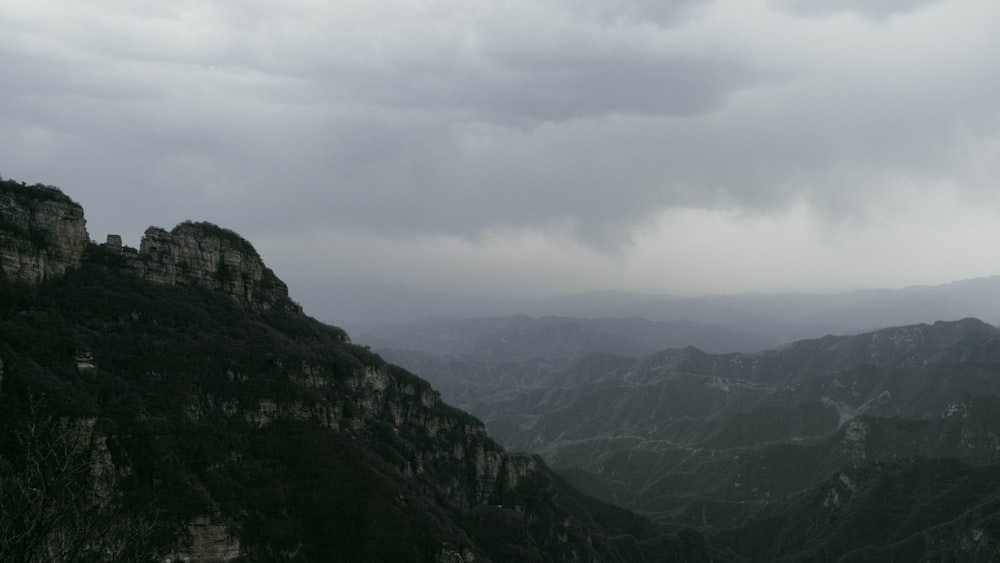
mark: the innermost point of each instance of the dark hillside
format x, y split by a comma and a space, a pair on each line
203, 425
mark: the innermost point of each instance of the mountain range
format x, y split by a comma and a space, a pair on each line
744, 322
778, 455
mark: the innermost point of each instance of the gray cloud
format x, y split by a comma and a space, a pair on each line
515, 69
615, 12
378, 138
877, 10
584, 121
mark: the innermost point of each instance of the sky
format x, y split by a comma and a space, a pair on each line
520, 148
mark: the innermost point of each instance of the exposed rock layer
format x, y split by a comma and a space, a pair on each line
204, 255
42, 232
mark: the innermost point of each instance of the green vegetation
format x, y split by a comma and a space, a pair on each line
163, 355
766, 454
260, 420
25, 193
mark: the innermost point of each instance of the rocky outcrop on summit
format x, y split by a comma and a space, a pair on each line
42, 232
205, 255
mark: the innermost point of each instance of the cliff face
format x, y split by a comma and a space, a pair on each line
431, 445
42, 232
204, 255
265, 435
435, 441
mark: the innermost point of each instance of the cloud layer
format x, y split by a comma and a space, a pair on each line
547, 125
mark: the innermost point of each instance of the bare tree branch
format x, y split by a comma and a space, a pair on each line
59, 500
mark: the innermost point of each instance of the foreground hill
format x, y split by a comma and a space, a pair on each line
172, 403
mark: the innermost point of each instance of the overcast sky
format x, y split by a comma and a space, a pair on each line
522, 147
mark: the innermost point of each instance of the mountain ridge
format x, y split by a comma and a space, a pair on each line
756, 320
232, 427
736, 444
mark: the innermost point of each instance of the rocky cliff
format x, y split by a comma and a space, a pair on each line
239, 428
205, 255
42, 232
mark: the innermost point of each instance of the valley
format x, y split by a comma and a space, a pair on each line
735, 444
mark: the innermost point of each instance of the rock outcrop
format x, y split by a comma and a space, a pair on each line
42, 232
205, 255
